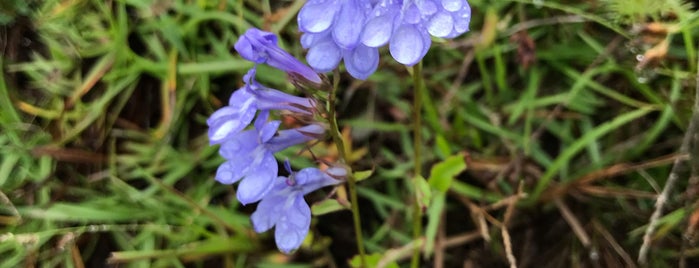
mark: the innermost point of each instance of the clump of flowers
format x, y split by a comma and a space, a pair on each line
334, 30
249, 152
353, 30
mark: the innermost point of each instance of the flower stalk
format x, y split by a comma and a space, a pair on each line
417, 153
351, 181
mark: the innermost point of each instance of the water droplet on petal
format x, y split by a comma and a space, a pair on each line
406, 46
441, 24
452, 5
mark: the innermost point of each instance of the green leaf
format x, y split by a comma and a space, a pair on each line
362, 175
443, 173
434, 213
571, 150
371, 261
327, 206
88, 212
423, 193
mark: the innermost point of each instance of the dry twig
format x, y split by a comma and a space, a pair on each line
671, 179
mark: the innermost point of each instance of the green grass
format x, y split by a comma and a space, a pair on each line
105, 158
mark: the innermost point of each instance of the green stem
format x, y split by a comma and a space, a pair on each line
351, 182
417, 150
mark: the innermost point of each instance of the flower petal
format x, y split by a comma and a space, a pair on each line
427, 7
269, 209
290, 137
378, 30
239, 147
258, 181
452, 5
441, 24
349, 24
292, 226
324, 56
268, 130
309, 20
251, 44
362, 61
227, 122
311, 179
408, 45
261, 47
462, 19
229, 173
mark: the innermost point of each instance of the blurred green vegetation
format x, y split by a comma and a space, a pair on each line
569, 116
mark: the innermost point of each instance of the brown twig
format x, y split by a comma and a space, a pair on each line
671, 179
505, 234
573, 222
599, 228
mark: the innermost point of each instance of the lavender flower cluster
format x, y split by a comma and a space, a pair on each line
353, 30
249, 154
334, 30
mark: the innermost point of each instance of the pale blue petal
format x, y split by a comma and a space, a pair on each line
272, 99
290, 137
229, 173
240, 146
223, 124
378, 31
311, 179
292, 226
269, 209
462, 19
324, 56
362, 61
310, 19
268, 130
427, 7
258, 181
452, 5
412, 15
261, 47
441, 24
310, 39
251, 44
349, 24
408, 45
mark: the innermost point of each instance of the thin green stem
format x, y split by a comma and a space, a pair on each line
417, 150
351, 182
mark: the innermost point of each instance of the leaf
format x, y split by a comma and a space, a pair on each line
371, 261
362, 175
326, 206
443, 173
573, 149
423, 193
434, 214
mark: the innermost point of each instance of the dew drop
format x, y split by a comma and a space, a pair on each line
594, 255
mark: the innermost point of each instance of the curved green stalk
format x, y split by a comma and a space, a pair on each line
351, 181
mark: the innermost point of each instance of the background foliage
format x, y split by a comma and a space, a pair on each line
551, 129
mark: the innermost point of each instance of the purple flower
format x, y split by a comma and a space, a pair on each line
336, 35
261, 47
324, 55
353, 30
244, 104
285, 209
448, 20
250, 156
